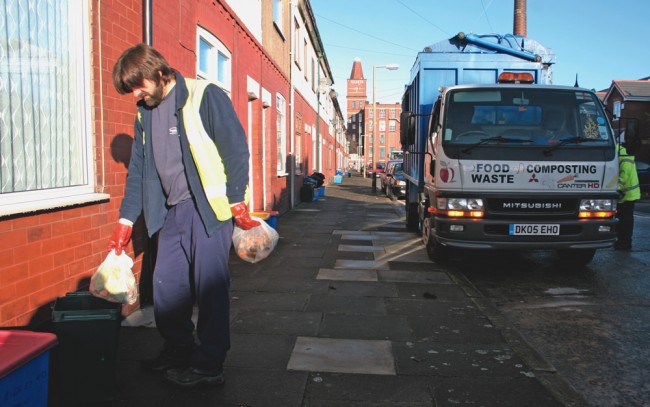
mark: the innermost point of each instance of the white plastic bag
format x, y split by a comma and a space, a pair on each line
114, 280
255, 244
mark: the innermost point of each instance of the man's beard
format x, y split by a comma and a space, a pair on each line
156, 97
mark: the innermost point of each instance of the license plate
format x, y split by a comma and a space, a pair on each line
523, 229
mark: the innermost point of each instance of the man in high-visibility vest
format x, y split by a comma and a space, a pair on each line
193, 221
629, 192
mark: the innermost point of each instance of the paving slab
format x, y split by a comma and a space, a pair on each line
362, 289
404, 276
330, 304
360, 248
342, 356
276, 322
391, 327
370, 390
347, 275
361, 264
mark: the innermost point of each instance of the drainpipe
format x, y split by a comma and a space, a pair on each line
318, 141
147, 25
292, 170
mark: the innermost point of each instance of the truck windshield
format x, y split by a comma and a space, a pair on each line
542, 118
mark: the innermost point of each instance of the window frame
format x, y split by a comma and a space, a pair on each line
215, 71
278, 15
281, 134
616, 109
296, 43
85, 191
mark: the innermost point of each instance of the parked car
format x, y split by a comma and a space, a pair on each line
396, 183
383, 176
380, 168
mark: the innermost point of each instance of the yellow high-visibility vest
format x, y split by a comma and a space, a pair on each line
204, 152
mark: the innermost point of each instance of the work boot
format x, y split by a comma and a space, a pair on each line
192, 376
172, 356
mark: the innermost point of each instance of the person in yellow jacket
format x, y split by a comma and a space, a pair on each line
629, 192
193, 216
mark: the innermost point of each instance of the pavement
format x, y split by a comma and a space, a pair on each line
349, 311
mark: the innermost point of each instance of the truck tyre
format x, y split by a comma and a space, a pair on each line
576, 257
436, 251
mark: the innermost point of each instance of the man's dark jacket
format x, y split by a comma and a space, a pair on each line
144, 191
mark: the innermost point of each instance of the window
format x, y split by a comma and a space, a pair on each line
617, 109
382, 139
305, 55
281, 135
298, 146
354, 104
382, 113
382, 152
46, 148
296, 42
214, 60
391, 126
382, 125
361, 104
393, 114
277, 14
313, 75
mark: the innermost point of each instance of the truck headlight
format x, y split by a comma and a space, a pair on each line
597, 208
459, 204
598, 205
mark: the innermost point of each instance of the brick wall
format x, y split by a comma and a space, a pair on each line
51, 253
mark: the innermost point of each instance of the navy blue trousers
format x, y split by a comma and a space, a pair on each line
192, 267
625, 228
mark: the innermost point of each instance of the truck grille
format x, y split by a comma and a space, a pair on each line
519, 207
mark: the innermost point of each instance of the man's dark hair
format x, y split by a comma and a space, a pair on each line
138, 63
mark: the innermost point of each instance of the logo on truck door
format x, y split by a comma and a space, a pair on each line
446, 173
493, 174
552, 176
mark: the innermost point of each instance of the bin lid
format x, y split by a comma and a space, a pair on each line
17, 348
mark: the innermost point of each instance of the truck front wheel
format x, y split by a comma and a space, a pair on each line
436, 251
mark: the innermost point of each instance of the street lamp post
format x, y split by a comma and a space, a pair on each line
363, 140
391, 67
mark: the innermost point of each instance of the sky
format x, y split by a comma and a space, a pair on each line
597, 40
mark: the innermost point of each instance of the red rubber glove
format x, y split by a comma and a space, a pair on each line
242, 217
120, 238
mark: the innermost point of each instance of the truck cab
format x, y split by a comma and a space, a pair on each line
519, 166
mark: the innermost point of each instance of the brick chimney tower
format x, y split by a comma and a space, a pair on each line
356, 100
519, 27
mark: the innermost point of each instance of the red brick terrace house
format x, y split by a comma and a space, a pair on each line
628, 102
66, 134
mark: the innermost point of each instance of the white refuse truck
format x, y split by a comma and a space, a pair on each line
495, 158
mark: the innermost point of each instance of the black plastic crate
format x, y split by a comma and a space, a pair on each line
84, 363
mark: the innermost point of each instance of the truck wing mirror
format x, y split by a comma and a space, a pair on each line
407, 129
